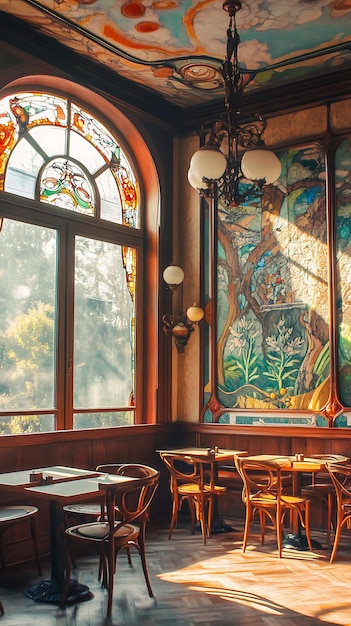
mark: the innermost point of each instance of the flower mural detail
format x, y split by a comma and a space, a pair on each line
242, 338
281, 348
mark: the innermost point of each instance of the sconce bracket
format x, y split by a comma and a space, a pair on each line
179, 328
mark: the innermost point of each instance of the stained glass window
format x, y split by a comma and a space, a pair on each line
68, 270
343, 242
55, 151
273, 324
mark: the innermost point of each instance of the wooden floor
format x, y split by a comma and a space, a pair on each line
198, 585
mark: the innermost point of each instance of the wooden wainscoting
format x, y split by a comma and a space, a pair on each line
84, 449
265, 440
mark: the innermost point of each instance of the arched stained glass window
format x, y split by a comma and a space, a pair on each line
55, 151
68, 268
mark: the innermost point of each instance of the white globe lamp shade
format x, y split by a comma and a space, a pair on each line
173, 275
195, 181
195, 313
261, 164
208, 162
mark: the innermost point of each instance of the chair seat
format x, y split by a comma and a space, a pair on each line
11, 513
194, 489
15, 514
293, 500
83, 509
99, 531
270, 498
319, 488
229, 476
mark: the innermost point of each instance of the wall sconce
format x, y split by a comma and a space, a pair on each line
182, 326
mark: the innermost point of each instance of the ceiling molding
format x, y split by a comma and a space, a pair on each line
88, 72
146, 103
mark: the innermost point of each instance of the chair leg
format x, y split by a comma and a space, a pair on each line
247, 526
201, 516
2, 560
2, 611
336, 541
111, 566
307, 525
210, 515
279, 529
141, 550
175, 509
330, 506
194, 513
68, 575
262, 516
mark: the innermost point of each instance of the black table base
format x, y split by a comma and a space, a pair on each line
220, 526
48, 591
299, 542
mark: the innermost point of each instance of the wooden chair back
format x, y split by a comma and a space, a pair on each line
340, 475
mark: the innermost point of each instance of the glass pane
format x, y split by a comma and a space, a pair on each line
28, 272
83, 151
103, 328
51, 139
111, 208
65, 184
22, 111
26, 424
23, 167
94, 132
103, 420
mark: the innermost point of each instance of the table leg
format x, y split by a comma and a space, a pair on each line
218, 524
50, 590
297, 540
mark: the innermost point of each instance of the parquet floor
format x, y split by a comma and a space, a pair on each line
197, 585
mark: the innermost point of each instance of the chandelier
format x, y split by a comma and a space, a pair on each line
247, 165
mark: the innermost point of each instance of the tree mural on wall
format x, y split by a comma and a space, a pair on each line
343, 252
273, 311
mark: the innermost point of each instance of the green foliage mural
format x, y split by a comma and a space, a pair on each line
273, 311
343, 242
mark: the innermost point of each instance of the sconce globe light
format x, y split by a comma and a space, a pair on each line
195, 313
173, 275
183, 325
245, 165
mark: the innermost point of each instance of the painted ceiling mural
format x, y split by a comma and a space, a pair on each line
176, 47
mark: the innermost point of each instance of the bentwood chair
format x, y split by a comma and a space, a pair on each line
78, 513
81, 513
18, 514
127, 510
341, 478
263, 494
321, 490
192, 481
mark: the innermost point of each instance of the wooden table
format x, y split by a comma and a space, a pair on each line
67, 484
212, 456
